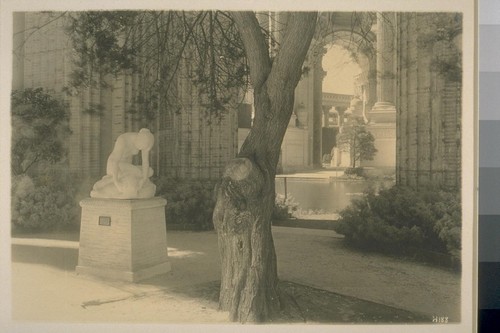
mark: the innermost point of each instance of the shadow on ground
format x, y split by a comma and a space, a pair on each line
57, 257
197, 264
305, 304
67, 235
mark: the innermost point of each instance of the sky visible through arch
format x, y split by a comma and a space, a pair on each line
340, 70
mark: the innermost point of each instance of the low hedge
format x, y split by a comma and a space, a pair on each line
50, 201
401, 221
190, 202
358, 172
47, 201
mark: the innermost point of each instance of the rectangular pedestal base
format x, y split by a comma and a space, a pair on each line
129, 276
123, 239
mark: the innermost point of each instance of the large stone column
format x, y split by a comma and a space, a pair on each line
315, 128
386, 52
382, 117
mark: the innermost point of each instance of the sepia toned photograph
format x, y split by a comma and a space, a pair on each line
299, 168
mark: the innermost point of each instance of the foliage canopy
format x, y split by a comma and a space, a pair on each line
162, 47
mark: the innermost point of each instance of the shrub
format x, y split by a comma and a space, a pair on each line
22, 186
284, 208
449, 226
358, 172
401, 220
190, 202
44, 202
40, 129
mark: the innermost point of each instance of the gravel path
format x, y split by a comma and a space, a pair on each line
45, 286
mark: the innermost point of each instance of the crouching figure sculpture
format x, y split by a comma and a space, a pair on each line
124, 180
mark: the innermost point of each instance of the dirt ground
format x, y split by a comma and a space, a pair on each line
303, 304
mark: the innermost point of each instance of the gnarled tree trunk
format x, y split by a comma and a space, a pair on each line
246, 193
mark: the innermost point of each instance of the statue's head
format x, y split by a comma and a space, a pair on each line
145, 139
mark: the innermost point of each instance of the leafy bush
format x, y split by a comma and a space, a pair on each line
190, 202
40, 129
22, 186
400, 220
45, 202
43, 192
284, 208
449, 227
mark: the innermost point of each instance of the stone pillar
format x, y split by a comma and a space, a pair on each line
382, 117
315, 127
372, 86
326, 116
341, 112
386, 33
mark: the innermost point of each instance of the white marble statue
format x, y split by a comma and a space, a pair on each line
123, 180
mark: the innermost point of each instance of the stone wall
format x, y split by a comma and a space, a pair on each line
429, 108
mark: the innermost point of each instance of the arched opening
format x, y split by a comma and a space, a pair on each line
350, 62
342, 90
341, 71
341, 65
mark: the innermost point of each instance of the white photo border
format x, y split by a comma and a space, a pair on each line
469, 154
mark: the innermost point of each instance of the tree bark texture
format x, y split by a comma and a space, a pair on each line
246, 192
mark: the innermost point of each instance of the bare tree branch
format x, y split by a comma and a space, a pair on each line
37, 29
255, 44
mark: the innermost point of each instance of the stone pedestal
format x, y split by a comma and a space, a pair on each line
123, 239
382, 126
